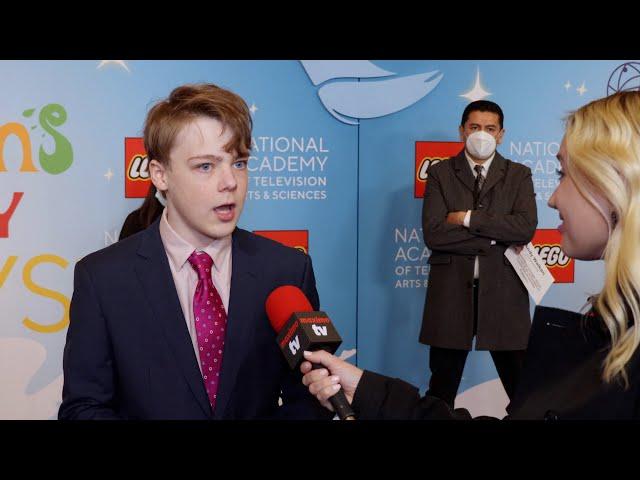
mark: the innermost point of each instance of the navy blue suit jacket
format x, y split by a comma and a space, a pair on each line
129, 354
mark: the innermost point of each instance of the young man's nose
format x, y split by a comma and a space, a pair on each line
227, 180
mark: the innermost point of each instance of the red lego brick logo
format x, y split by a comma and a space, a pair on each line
430, 153
291, 238
136, 169
547, 245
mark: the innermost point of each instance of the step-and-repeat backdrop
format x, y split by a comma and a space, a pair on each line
337, 169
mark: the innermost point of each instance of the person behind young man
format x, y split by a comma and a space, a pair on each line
476, 205
170, 323
579, 365
145, 215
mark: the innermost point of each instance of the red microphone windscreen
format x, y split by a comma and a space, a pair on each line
282, 302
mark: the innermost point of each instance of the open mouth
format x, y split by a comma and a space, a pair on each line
225, 212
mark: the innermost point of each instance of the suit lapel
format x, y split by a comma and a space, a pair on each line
495, 173
152, 268
241, 316
462, 170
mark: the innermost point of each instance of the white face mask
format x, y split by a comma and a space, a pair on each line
481, 145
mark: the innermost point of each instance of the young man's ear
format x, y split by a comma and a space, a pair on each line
461, 130
158, 175
500, 136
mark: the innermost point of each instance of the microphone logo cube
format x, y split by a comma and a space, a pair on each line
319, 331
294, 345
307, 331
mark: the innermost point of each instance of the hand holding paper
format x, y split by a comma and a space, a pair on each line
531, 269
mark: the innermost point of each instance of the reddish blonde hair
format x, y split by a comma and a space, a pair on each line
167, 118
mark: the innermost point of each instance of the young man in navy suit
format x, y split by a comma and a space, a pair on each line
170, 323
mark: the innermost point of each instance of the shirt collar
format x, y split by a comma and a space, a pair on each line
179, 250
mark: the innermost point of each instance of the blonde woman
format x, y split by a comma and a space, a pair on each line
578, 366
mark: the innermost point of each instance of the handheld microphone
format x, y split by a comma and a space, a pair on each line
299, 328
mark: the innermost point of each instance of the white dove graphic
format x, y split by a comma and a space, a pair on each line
349, 100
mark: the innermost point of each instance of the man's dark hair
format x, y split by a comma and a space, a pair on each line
482, 106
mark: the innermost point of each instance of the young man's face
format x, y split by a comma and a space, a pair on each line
205, 186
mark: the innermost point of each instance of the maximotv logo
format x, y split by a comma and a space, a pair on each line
547, 245
136, 168
291, 238
430, 153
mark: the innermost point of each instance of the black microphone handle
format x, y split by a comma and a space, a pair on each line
338, 401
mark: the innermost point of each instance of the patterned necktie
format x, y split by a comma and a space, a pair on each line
211, 321
477, 186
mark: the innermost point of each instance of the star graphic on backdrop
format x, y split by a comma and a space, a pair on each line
116, 62
567, 85
253, 108
581, 89
108, 175
477, 92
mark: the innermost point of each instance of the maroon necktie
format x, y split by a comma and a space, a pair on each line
211, 321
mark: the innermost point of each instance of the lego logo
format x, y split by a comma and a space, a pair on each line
298, 239
139, 168
424, 167
552, 255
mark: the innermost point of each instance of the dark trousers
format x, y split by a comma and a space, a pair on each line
447, 365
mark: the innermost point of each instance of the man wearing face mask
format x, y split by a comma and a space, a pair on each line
476, 205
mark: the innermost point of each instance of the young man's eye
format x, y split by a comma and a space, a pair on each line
205, 167
240, 164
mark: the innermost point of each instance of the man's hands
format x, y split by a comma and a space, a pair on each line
456, 218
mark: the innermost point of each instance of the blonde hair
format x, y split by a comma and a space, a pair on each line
603, 150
